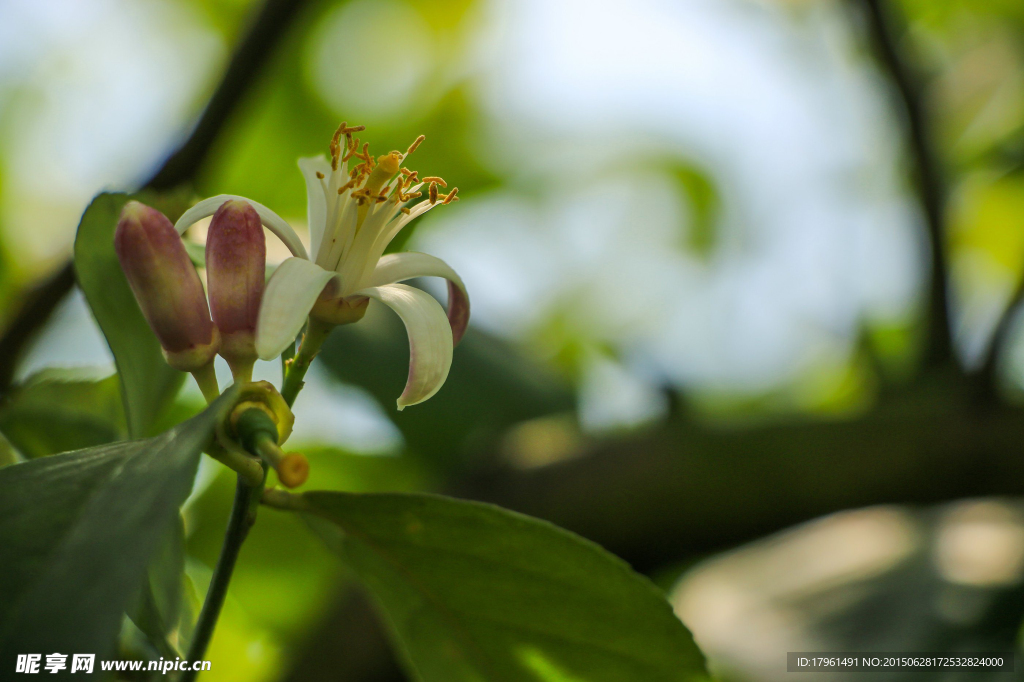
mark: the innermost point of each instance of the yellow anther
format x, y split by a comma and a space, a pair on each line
335, 146
433, 193
319, 175
434, 178
405, 210
415, 143
451, 196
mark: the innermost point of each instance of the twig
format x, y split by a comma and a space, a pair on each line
252, 54
249, 59
986, 376
39, 305
883, 26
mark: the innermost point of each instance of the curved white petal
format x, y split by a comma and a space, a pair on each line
430, 339
290, 294
316, 198
270, 220
396, 267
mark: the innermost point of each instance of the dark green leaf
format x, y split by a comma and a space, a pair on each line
8, 454
475, 592
61, 410
78, 531
158, 605
148, 384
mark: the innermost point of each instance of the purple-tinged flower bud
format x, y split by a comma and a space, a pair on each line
236, 260
166, 286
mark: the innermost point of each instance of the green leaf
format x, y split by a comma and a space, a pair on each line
8, 454
475, 592
158, 605
61, 410
148, 383
78, 531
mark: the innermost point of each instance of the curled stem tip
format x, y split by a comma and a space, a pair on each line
292, 467
258, 434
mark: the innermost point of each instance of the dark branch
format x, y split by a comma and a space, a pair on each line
252, 54
884, 28
986, 377
248, 61
39, 304
686, 489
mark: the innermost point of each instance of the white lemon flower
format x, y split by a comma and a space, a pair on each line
353, 216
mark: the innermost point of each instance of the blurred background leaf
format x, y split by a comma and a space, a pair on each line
59, 410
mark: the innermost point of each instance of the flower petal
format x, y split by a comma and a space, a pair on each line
430, 339
396, 267
287, 300
316, 199
270, 220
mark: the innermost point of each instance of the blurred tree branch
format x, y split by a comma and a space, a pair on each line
885, 29
253, 52
688, 488
987, 375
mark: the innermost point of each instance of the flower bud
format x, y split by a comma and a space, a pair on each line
166, 286
236, 259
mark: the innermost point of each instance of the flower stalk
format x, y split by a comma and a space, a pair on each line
206, 378
243, 516
296, 368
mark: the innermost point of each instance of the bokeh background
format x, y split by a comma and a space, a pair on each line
698, 268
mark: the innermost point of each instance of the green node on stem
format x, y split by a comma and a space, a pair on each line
258, 434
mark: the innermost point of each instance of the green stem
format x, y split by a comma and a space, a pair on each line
206, 377
241, 372
241, 520
316, 334
248, 468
